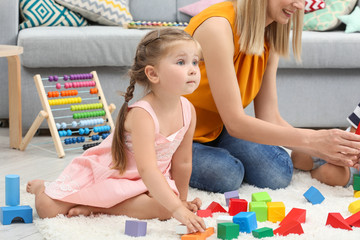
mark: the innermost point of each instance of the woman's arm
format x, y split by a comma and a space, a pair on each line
141, 127
216, 40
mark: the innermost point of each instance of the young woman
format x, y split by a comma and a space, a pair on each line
241, 42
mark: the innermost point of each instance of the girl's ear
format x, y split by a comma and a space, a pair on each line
151, 74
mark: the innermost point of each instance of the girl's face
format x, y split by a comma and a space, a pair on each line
178, 70
281, 11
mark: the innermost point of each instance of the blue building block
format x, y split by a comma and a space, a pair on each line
135, 228
314, 196
12, 190
231, 194
8, 214
246, 220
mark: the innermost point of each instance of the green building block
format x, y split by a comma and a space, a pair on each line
260, 197
356, 183
263, 232
228, 230
260, 209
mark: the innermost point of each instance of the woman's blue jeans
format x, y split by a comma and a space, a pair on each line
223, 164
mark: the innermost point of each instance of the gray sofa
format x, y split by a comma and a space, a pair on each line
320, 92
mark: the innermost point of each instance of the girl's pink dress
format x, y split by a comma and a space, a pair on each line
89, 179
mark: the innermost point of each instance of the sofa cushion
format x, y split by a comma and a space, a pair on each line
79, 47
115, 12
48, 13
334, 49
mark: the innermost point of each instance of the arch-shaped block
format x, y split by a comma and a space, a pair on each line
8, 214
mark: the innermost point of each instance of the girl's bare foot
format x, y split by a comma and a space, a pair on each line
35, 186
79, 210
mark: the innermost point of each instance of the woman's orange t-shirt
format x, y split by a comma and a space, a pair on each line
249, 71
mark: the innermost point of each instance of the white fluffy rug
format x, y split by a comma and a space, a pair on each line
337, 199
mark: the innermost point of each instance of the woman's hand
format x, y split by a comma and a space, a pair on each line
189, 219
194, 205
336, 146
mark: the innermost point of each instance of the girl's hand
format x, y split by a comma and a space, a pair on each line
190, 220
336, 146
194, 205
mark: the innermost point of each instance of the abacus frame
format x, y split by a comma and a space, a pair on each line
46, 113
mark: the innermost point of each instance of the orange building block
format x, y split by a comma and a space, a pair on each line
289, 227
237, 205
337, 221
276, 211
216, 207
199, 236
296, 214
354, 220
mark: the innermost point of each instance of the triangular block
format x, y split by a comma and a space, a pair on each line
216, 207
289, 227
354, 220
337, 221
296, 214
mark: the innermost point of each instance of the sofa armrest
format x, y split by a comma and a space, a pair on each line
9, 21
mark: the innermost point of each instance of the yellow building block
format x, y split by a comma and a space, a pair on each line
357, 194
276, 211
354, 207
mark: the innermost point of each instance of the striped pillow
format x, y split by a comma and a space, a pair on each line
106, 12
48, 13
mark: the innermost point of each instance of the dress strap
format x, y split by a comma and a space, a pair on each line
147, 107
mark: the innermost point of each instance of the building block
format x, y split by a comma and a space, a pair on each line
337, 221
237, 205
354, 207
135, 228
9, 214
260, 209
216, 207
354, 220
181, 229
260, 197
12, 190
263, 232
296, 214
230, 195
358, 130
356, 182
198, 235
204, 213
288, 228
276, 211
224, 218
246, 220
314, 196
228, 230
356, 194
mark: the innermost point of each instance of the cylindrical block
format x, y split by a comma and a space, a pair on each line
12, 190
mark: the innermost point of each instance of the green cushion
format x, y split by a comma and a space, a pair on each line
352, 21
327, 18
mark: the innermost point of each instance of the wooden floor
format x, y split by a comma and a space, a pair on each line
38, 161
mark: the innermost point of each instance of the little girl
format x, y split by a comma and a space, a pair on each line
143, 168
328, 173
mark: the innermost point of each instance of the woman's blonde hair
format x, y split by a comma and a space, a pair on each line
250, 24
150, 50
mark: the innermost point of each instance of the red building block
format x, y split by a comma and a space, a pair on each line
337, 221
237, 205
288, 227
216, 207
358, 130
204, 213
354, 220
296, 214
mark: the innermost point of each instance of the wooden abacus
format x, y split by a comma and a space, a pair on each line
102, 125
154, 24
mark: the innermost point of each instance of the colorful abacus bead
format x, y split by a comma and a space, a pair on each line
95, 137
102, 129
87, 146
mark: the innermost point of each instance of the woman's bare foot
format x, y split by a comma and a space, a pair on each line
79, 210
35, 186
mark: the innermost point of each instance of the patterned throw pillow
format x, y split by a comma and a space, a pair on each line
313, 5
47, 13
106, 12
327, 18
195, 8
352, 21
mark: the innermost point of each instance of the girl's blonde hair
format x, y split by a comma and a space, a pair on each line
250, 23
150, 50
